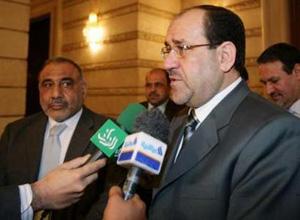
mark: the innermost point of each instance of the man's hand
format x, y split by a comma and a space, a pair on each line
119, 209
64, 185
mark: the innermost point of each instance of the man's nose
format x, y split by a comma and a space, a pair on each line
269, 88
56, 91
171, 60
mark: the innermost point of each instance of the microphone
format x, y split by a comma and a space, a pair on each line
128, 116
145, 149
108, 139
109, 133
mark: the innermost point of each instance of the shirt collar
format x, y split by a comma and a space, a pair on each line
70, 122
203, 111
161, 107
295, 108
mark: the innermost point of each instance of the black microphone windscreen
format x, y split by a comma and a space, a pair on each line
154, 123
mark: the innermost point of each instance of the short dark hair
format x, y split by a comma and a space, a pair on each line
223, 25
287, 54
60, 59
244, 74
162, 70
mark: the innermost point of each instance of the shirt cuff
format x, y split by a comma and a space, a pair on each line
26, 199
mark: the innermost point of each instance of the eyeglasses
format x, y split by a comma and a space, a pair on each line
179, 50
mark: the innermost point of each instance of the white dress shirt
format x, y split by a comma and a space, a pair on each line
161, 107
295, 108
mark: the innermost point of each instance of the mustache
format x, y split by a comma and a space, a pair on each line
153, 94
170, 72
59, 100
275, 94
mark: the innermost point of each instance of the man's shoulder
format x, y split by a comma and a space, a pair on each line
25, 126
255, 110
92, 113
28, 120
144, 103
263, 107
97, 118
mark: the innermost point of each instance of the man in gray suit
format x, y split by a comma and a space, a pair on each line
242, 160
25, 184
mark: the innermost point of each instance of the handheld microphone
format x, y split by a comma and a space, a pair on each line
144, 150
107, 139
109, 133
128, 116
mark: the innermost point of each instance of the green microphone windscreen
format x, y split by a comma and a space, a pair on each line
127, 117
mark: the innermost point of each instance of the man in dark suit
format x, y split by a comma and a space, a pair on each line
236, 155
68, 189
157, 92
279, 70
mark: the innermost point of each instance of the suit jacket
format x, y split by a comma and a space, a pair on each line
242, 162
171, 108
20, 156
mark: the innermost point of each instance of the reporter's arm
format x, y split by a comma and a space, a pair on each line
9, 202
119, 209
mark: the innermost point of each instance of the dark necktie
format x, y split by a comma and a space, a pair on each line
189, 127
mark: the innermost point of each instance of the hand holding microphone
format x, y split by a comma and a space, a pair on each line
151, 152
144, 151
117, 208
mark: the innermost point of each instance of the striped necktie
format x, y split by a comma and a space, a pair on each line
189, 127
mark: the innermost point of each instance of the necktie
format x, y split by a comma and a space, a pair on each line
51, 150
189, 127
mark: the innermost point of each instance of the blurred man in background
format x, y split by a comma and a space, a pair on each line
157, 93
279, 70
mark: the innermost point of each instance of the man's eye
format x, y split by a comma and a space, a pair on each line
274, 80
158, 85
180, 47
168, 48
67, 84
47, 84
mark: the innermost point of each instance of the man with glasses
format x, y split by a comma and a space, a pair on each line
235, 155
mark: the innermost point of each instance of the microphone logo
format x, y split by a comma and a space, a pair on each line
152, 148
143, 151
108, 138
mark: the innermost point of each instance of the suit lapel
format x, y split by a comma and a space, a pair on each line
173, 144
80, 139
34, 145
204, 139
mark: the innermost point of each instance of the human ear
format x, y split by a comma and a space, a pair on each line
296, 70
226, 56
84, 87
